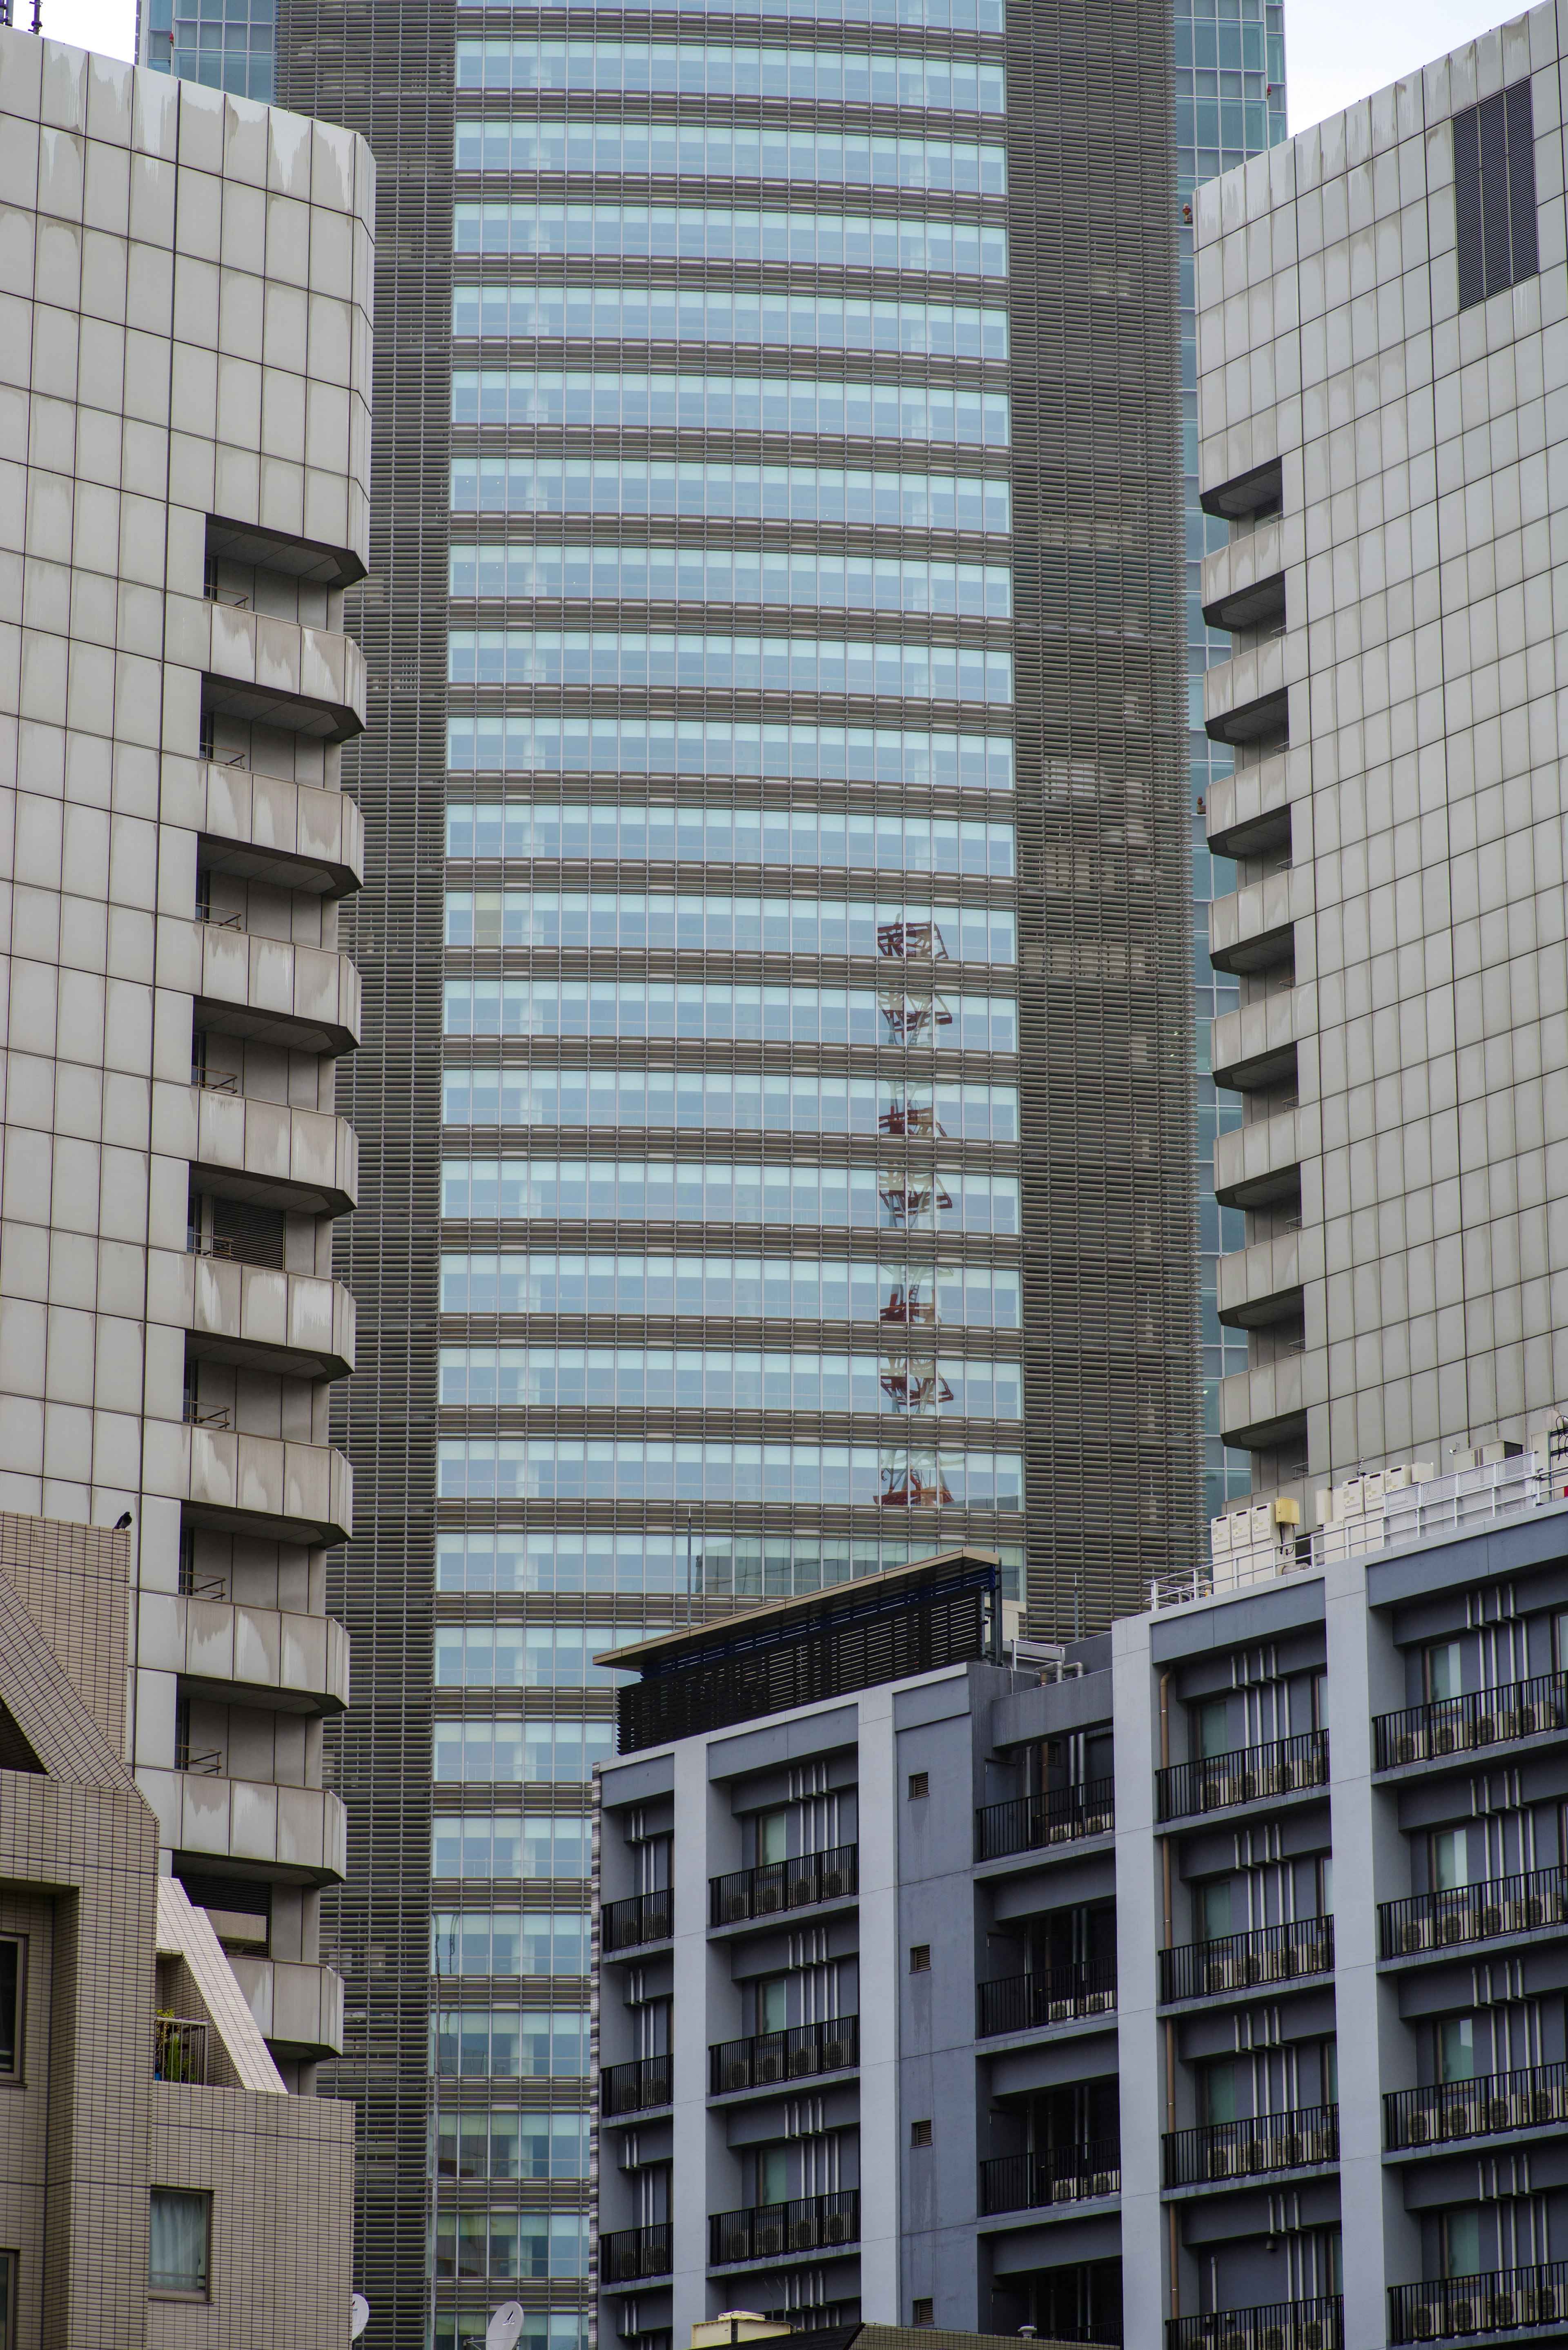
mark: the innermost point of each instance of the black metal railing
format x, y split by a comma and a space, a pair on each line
645, 1918
1068, 2174
1267, 1954
766, 2231
1493, 2101
632, 2253
1444, 2309
783, 1884
792, 2055
1455, 1726
1280, 1766
1049, 1995
1276, 2326
1247, 2149
633, 2088
1473, 1913
179, 2050
1059, 1815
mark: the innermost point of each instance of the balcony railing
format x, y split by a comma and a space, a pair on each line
1457, 1725
766, 2231
1049, 1995
794, 2055
645, 1918
1445, 2309
179, 2050
1473, 1913
1267, 1954
1069, 2174
1281, 1766
1032, 1823
633, 2252
783, 1884
633, 2088
1277, 2325
1533, 2099
1247, 2149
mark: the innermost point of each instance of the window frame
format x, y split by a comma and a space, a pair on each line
198, 2295
16, 2077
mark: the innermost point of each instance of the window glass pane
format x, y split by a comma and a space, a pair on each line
177, 2242
1456, 2048
10, 2025
1461, 2243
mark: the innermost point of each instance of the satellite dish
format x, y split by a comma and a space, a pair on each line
358, 2317
504, 2328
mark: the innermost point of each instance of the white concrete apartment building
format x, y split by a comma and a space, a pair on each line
1383, 338
184, 372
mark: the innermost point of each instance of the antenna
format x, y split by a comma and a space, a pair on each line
358, 2317
504, 2328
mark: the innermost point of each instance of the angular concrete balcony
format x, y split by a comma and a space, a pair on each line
1260, 1409
1249, 813
1262, 1162
272, 672
268, 1657
292, 836
1253, 928
266, 1485
298, 1324
300, 1835
297, 2008
1245, 700
304, 998
1261, 1284
1253, 1048
304, 1160
1244, 582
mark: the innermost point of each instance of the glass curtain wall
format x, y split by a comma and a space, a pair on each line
731, 917
1230, 104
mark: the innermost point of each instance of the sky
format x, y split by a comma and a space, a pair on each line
1335, 50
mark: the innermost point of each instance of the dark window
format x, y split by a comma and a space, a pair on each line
7, 2299
10, 2016
1494, 194
921, 1958
920, 2133
919, 1784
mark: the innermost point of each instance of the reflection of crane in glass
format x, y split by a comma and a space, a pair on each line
909, 1200
912, 1383
911, 1004
906, 1305
909, 1115
912, 1478
902, 939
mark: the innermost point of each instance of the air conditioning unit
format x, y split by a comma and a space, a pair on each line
1412, 1937
1408, 1748
768, 2065
736, 1906
836, 1883
1452, 1929
838, 2228
1417, 2130
767, 2239
1217, 1976
1273, 2337
737, 2073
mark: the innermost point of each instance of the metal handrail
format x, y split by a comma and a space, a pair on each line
1456, 1725
630, 2253
1049, 1995
778, 1885
1274, 2325
765, 2231
1483, 2107
215, 1081
642, 1917
1288, 2141
1215, 1782
831, 2045
1237, 1961
214, 1416
1068, 2174
180, 2050
1058, 1815
1473, 1913
1442, 2308
634, 2088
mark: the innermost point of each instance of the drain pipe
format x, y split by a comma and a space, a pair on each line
1169, 2026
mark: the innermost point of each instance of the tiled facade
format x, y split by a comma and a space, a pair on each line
1391, 465
185, 351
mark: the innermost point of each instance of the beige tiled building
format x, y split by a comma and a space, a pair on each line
184, 372
1382, 324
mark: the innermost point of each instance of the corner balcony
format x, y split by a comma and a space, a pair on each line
1464, 1725
298, 2008
264, 1151
1485, 1912
1231, 1962
1499, 2301
1262, 1284
768, 2231
1492, 2105
290, 835
1035, 1822
771, 2058
1050, 1995
1246, 699
300, 1835
1248, 1774
1263, 1408
266, 1485
1258, 1163
1301, 2140
300, 1323
270, 1657
1253, 928
1243, 582
782, 1884
1033, 2182
276, 673
1275, 2325
1254, 1047
1248, 813
304, 999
